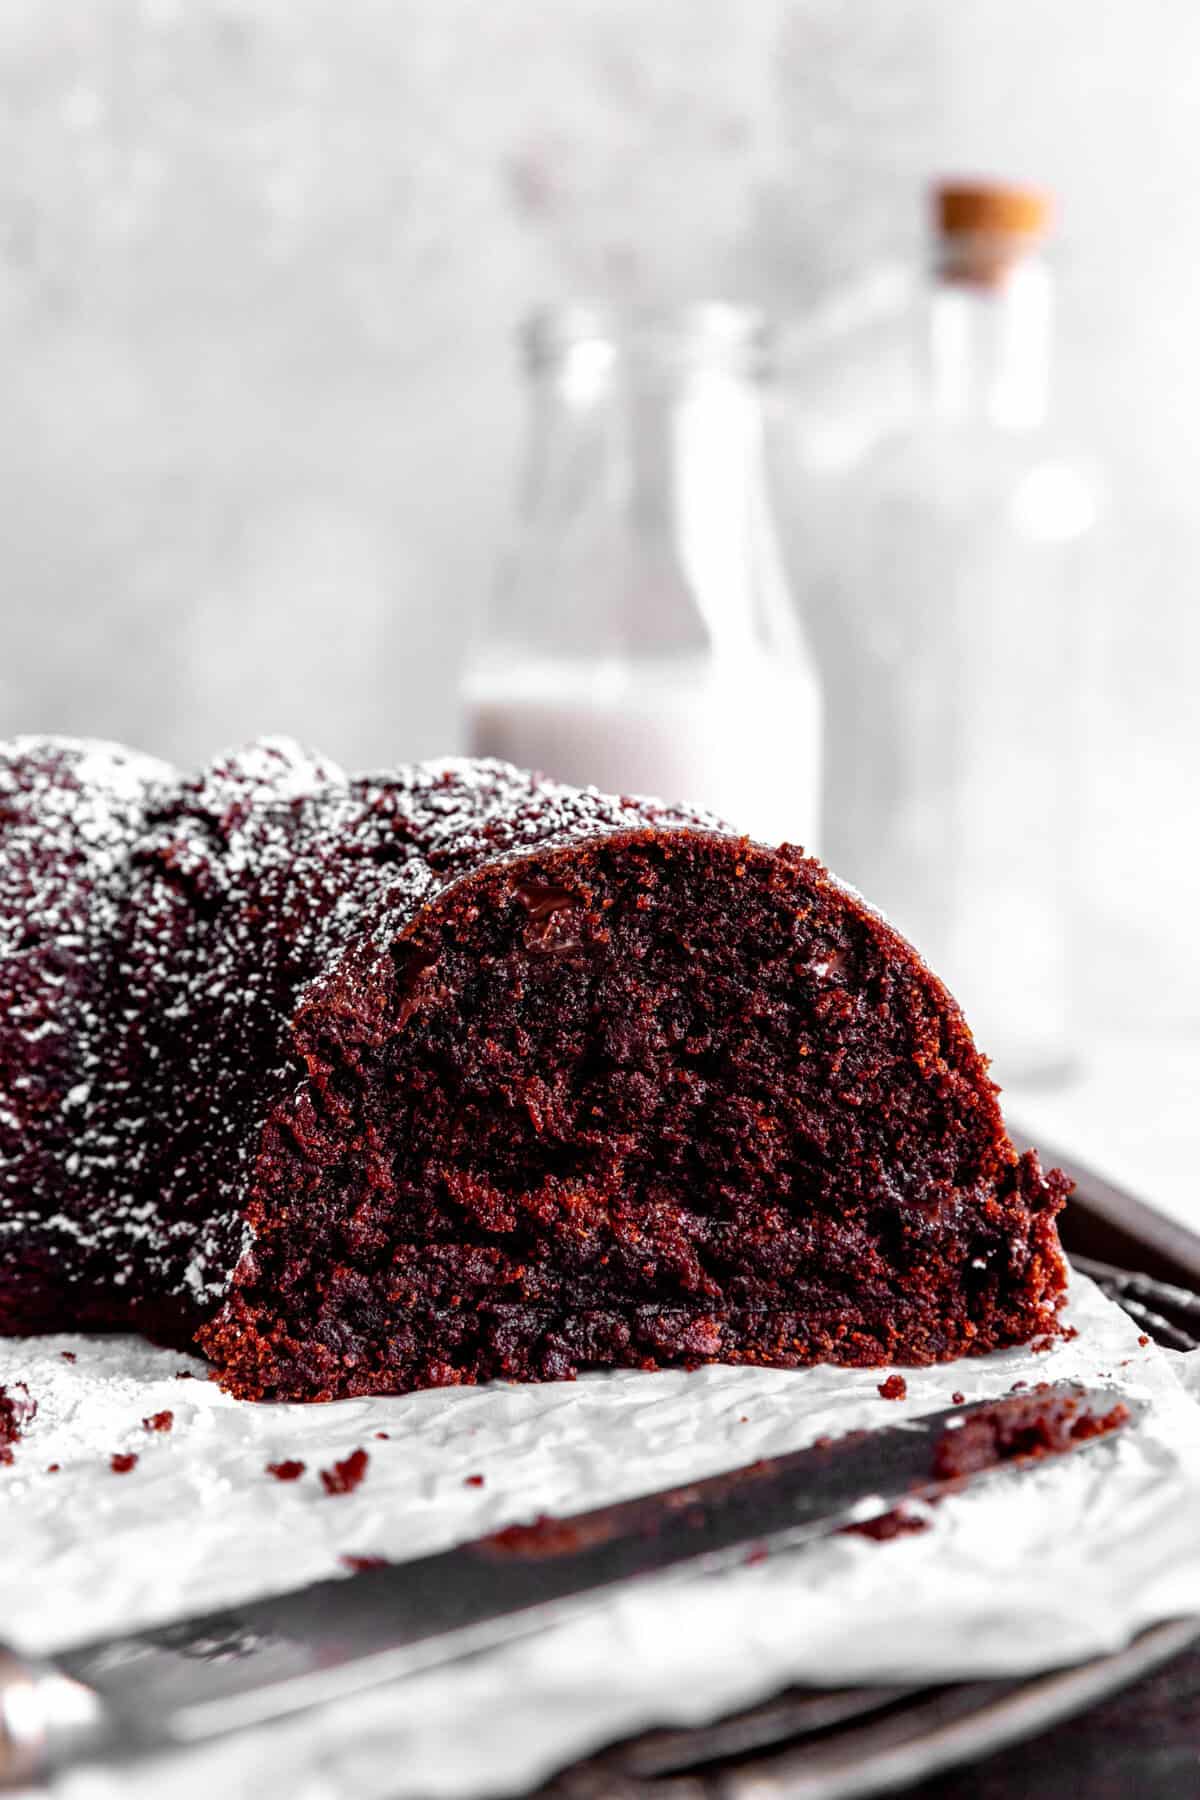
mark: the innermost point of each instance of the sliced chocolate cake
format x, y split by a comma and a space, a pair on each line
458, 1073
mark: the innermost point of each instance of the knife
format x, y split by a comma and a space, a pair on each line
182, 1683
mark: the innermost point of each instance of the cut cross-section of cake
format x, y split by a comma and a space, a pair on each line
457, 1073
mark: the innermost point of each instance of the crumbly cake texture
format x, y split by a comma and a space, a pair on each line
373, 1083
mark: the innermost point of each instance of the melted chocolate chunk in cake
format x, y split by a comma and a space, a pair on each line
458, 1073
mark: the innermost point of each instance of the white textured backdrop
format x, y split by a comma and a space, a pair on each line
259, 267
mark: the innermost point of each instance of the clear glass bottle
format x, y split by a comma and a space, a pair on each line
642, 637
951, 748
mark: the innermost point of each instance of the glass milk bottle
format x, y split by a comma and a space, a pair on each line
950, 755
643, 638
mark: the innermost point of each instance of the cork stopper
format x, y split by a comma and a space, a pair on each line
985, 227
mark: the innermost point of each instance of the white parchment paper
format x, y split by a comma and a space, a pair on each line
1027, 1572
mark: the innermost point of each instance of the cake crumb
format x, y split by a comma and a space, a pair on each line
52, 1468
1143, 1340
345, 1476
159, 1421
381, 1434
546, 1536
122, 1461
184, 1375
359, 1563
1043, 1423
896, 1522
894, 1388
957, 1399
68, 1356
758, 1554
473, 1481
1062, 1335
290, 1470
17, 1408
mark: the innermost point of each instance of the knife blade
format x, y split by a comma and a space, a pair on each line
203, 1677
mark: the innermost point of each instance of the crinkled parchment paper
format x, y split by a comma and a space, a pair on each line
1029, 1571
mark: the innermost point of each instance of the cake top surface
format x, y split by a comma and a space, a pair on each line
272, 810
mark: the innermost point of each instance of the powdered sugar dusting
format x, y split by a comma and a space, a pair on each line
70, 813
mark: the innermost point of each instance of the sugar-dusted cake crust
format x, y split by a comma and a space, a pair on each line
70, 814
455, 1073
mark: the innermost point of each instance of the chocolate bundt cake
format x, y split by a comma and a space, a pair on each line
365, 1084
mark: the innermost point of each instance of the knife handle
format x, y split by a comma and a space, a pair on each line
46, 1720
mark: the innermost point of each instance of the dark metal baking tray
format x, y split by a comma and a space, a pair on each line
843, 1744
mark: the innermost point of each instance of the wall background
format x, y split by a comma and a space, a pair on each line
259, 268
